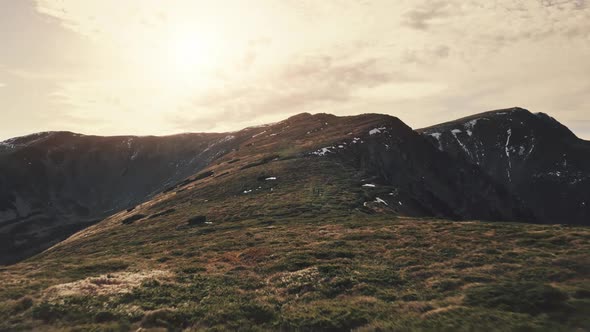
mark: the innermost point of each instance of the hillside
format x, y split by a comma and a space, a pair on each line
533, 155
310, 270
54, 184
314, 223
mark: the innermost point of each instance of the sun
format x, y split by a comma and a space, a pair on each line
183, 58
186, 52
189, 56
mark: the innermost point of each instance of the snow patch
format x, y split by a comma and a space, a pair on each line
437, 136
260, 133
532, 148
455, 132
323, 151
507, 150
369, 185
469, 125
375, 131
379, 200
272, 178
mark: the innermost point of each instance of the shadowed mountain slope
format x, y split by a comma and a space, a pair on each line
533, 155
375, 163
53, 184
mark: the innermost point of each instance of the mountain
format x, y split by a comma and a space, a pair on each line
54, 184
537, 158
314, 223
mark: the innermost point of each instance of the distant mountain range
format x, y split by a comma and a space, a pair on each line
505, 165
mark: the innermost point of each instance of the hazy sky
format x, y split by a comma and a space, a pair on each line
166, 66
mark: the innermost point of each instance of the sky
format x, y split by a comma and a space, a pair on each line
144, 67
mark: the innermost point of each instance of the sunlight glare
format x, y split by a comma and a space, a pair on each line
186, 53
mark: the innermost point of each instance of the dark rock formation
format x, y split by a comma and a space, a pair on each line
534, 156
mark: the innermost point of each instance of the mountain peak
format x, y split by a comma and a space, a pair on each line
299, 116
508, 118
530, 152
505, 111
517, 109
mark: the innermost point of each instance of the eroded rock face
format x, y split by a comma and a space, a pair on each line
534, 156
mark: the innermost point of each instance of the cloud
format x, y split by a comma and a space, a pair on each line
476, 23
2, 85
315, 83
423, 16
427, 55
426, 61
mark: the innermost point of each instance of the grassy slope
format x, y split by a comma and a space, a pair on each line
323, 265
299, 252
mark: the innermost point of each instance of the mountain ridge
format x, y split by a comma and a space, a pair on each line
421, 180
317, 222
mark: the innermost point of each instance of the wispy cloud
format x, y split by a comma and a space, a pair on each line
422, 60
424, 16
311, 84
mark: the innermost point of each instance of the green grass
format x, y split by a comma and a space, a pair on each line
317, 275
301, 257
